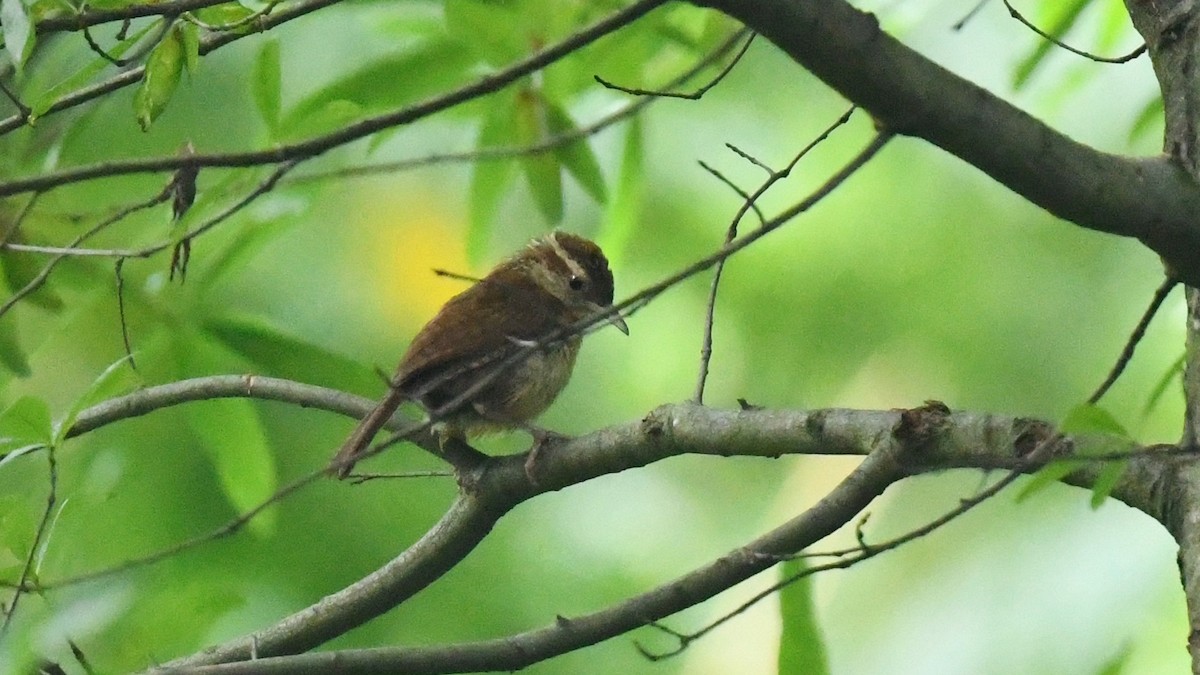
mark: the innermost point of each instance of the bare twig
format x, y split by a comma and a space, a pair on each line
139, 51
455, 275
12, 227
225, 530
1139, 331
693, 95
546, 144
121, 312
1101, 59
865, 551
22, 110
961, 23
40, 279
749, 201
43, 524
498, 362
360, 478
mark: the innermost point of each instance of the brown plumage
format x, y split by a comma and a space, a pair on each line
552, 283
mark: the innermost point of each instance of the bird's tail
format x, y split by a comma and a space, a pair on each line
354, 447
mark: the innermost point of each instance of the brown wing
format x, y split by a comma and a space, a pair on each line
473, 333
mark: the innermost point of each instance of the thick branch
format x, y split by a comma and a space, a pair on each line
960, 439
1152, 199
850, 497
1171, 29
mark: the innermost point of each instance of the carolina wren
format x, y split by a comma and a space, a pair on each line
553, 282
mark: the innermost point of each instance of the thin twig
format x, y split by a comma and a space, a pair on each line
762, 219
317, 145
961, 23
749, 201
866, 552
14, 225
360, 478
225, 530
1101, 59
138, 52
41, 277
455, 275
22, 109
546, 144
1139, 331
69, 251
88, 16
691, 96
121, 313
43, 524
134, 75
500, 364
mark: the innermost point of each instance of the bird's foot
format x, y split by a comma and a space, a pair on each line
541, 439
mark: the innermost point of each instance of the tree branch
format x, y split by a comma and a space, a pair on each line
950, 440
867, 481
315, 146
1151, 199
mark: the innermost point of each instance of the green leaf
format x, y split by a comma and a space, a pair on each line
17, 30
11, 353
332, 115
1068, 15
576, 156
1116, 665
801, 646
226, 257
625, 207
542, 172
81, 77
1164, 382
275, 352
265, 84
492, 177
232, 435
1089, 418
116, 379
227, 15
1048, 475
390, 81
163, 67
20, 269
492, 30
26, 420
1150, 118
228, 430
189, 33
1096, 432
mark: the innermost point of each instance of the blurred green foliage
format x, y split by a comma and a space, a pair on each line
917, 279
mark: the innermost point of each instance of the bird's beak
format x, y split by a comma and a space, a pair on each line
617, 321
614, 319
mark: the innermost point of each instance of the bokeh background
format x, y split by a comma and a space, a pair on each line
920, 278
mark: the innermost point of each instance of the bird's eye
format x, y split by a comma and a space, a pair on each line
576, 283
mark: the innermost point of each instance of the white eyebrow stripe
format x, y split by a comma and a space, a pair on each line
570, 262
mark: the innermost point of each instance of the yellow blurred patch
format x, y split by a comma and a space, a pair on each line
410, 241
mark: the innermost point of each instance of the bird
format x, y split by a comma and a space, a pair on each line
460, 366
